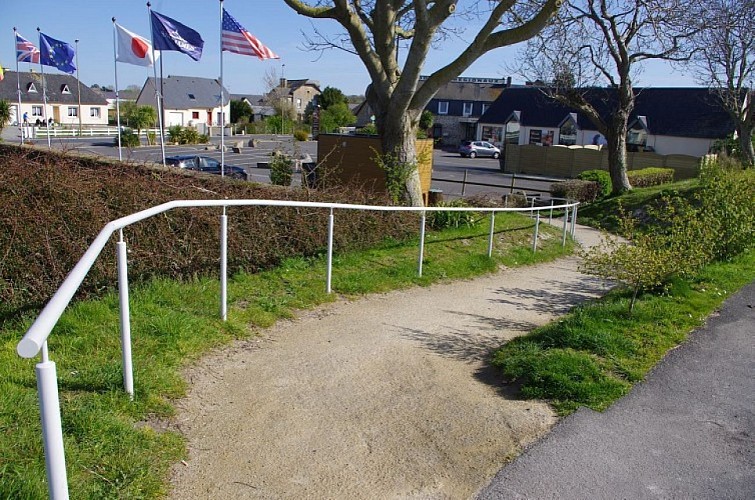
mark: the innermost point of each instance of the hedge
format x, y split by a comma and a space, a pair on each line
602, 177
652, 176
575, 189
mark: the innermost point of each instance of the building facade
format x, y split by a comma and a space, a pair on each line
188, 101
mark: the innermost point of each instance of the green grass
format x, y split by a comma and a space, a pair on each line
116, 448
593, 355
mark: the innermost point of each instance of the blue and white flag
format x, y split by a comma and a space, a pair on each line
56, 54
169, 34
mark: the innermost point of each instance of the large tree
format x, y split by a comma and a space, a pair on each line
602, 43
396, 95
725, 61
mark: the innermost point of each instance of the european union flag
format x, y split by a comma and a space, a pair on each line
56, 53
169, 34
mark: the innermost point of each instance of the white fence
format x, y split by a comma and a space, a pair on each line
34, 341
30, 132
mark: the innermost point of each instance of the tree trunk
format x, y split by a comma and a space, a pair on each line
617, 153
745, 143
398, 137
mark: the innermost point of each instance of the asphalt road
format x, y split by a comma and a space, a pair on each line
449, 168
687, 432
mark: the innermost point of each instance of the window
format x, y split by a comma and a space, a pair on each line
485, 108
192, 97
468, 106
64, 90
536, 136
492, 134
567, 133
443, 107
512, 132
298, 104
195, 115
94, 112
637, 136
31, 88
73, 111
36, 111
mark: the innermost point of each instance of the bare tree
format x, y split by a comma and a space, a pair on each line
725, 62
396, 95
602, 43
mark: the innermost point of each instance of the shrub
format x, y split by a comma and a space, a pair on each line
129, 139
189, 135
602, 177
281, 169
397, 172
151, 138
203, 139
443, 220
575, 189
301, 135
652, 176
174, 133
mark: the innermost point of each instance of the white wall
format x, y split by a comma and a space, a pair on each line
86, 119
668, 145
171, 116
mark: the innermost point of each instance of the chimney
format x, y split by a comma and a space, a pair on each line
508, 82
284, 82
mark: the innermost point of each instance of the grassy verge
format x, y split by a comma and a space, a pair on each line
118, 448
592, 356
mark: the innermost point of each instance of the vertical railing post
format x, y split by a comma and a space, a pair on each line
566, 221
537, 229
492, 232
421, 244
573, 220
224, 266
52, 430
550, 215
125, 317
464, 183
331, 221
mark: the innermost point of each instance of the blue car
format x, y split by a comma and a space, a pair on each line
207, 165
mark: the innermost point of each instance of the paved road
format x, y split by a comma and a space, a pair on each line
688, 432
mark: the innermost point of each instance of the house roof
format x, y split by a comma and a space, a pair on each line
252, 99
680, 112
469, 91
184, 92
56, 84
125, 95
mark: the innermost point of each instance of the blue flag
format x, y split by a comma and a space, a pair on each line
169, 34
56, 53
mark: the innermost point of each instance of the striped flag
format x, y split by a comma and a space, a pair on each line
236, 39
25, 50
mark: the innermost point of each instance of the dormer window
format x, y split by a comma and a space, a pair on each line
567, 131
64, 89
192, 97
637, 135
31, 88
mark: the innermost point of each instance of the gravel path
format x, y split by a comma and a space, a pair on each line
388, 396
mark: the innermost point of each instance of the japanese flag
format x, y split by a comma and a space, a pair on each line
133, 49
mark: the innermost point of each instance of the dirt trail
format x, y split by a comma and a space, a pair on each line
389, 396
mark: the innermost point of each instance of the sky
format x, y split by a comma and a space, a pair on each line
271, 21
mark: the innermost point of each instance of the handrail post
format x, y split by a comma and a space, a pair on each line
52, 429
492, 232
566, 222
574, 220
537, 229
550, 215
224, 266
532, 205
331, 221
421, 244
128, 370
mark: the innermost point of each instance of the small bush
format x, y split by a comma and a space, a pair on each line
203, 139
301, 135
174, 133
281, 169
129, 139
443, 220
602, 177
575, 189
189, 135
652, 176
151, 138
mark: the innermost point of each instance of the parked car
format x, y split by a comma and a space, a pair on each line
473, 149
207, 165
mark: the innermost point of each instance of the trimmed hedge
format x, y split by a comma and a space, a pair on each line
575, 189
56, 204
652, 176
602, 177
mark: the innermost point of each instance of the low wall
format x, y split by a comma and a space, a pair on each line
560, 161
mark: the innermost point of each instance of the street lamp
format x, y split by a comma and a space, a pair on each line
78, 83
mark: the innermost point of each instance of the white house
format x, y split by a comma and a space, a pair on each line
665, 120
188, 100
62, 99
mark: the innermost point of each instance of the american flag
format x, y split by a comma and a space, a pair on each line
25, 50
237, 39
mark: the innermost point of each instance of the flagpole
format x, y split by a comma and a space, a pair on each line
117, 99
78, 82
44, 90
18, 89
157, 91
222, 106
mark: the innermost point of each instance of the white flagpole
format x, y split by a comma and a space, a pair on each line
157, 90
222, 107
44, 90
18, 91
117, 99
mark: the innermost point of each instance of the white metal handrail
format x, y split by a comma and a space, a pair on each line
34, 341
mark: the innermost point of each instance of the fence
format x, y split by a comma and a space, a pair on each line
34, 341
561, 161
35, 132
